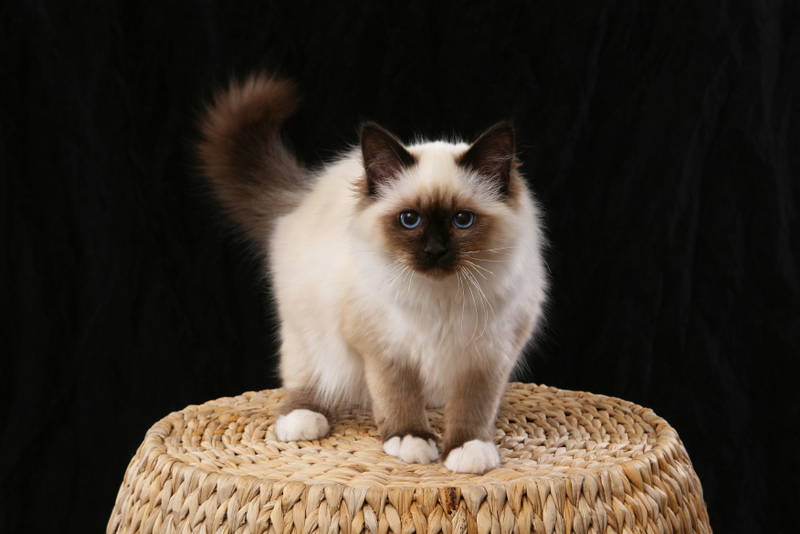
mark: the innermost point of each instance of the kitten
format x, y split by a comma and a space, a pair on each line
405, 277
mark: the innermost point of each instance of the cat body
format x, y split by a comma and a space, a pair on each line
405, 277
360, 295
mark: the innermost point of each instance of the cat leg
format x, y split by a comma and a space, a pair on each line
399, 408
469, 421
302, 417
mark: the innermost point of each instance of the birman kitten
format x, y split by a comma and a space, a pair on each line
406, 276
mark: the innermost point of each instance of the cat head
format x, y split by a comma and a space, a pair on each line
440, 208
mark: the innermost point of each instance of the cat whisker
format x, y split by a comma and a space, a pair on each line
463, 300
391, 277
379, 250
490, 261
480, 273
396, 296
496, 250
404, 272
484, 301
398, 280
410, 280
481, 268
383, 265
474, 303
475, 255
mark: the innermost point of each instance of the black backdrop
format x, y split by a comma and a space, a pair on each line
661, 139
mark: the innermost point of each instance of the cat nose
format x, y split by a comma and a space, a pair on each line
434, 251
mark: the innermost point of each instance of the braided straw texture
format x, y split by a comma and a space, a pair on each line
572, 462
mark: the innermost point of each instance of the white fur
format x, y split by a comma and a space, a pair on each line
301, 425
438, 325
474, 456
411, 449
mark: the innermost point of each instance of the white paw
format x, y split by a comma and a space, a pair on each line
301, 425
411, 449
474, 456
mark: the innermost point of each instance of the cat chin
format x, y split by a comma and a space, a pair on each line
436, 273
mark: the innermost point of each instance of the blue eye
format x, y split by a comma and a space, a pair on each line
463, 219
410, 219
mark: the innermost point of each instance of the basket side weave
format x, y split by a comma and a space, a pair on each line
572, 462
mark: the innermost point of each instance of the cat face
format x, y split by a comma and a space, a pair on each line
436, 233
443, 207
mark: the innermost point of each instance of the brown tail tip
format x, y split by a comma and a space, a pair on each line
259, 105
263, 97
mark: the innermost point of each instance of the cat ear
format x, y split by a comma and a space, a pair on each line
384, 156
492, 154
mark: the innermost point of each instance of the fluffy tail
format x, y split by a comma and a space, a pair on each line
250, 171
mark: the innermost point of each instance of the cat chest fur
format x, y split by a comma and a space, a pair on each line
436, 336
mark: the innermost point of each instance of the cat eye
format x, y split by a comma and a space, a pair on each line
463, 219
410, 219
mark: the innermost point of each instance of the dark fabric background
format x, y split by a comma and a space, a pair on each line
662, 139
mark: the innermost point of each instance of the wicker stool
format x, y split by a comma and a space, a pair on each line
571, 462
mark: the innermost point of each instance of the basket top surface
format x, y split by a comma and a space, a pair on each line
542, 432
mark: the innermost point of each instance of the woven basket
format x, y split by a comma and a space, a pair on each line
571, 462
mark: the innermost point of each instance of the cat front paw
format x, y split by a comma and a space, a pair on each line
474, 456
301, 425
411, 449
